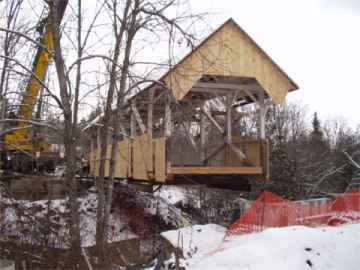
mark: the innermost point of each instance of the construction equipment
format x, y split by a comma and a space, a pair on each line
23, 149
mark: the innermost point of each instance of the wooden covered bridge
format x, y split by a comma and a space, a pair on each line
190, 130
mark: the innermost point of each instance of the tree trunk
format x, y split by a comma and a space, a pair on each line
104, 205
69, 142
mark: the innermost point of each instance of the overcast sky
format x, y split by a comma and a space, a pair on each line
317, 42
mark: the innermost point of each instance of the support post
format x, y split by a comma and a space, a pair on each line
92, 157
167, 120
262, 112
150, 113
98, 130
98, 147
136, 114
212, 120
167, 130
228, 118
230, 99
202, 135
132, 122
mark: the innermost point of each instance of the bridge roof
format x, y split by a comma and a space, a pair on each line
229, 52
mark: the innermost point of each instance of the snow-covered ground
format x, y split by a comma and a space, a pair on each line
117, 229
37, 211
196, 240
295, 248
172, 194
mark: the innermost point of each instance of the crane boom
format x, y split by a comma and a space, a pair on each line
21, 138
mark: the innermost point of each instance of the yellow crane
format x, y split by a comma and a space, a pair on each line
21, 140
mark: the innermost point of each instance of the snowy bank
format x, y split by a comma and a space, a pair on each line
196, 240
296, 248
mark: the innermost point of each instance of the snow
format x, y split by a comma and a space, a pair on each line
87, 208
296, 248
158, 204
171, 194
196, 240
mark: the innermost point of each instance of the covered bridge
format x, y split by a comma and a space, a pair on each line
190, 130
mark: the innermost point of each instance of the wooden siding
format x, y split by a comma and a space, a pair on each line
160, 159
144, 158
251, 148
229, 51
122, 168
216, 170
143, 163
95, 161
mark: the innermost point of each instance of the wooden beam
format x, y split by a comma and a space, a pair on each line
150, 112
262, 112
234, 148
132, 125
251, 96
228, 118
214, 152
202, 136
237, 151
167, 120
92, 158
98, 142
237, 114
212, 120
216, 170
227, 86
168, 130
189, 137
137, 116
218, 112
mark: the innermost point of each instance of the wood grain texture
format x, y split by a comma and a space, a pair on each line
142, 159
216, 170
252, 150
229, 51
122, 168
160, 159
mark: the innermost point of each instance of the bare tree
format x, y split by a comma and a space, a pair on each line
130, 19
135, 24
9, 45
70, 102
10, 40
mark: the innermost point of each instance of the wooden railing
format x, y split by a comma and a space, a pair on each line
145, 158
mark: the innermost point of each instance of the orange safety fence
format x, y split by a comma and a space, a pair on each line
346, 208
271, 210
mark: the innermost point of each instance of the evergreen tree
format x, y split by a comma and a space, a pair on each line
316, 134
317, 142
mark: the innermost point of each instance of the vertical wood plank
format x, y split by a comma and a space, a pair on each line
132, 121
202, 134
160, 159
92, 156
167, 130
167, 123
228, 118
150, 112
137, 116
142, 157
262, 111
